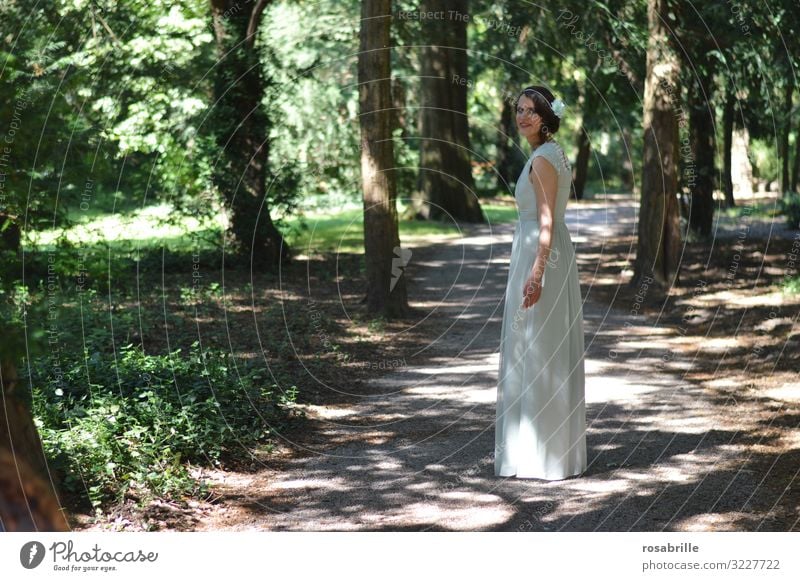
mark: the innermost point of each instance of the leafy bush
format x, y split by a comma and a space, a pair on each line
790, 207
792, 286
131, 426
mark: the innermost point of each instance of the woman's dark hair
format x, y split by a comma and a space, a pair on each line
542, 99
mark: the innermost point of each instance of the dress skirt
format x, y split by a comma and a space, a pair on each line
540, 429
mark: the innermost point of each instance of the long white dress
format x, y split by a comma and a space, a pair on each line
540, 427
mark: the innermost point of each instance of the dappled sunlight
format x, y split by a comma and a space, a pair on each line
598, 488
719, 522
606, 388
628, 330
787, 392
790, 440
313, 483
473, 512
328, 412
150, 223
695, 424
728, 298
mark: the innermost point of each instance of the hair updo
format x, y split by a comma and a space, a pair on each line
542, 99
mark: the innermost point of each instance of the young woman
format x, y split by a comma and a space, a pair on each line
540, 429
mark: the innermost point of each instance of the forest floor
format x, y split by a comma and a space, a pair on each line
693, 401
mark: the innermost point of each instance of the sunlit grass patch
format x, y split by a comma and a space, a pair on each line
158, 226
150, 226
343, 231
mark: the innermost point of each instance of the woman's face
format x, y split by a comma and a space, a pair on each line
528, 121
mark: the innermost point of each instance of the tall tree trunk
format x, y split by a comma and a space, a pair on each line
704, 148
581, 168
28, 501
583, 146
628, 183
10, 233
796, 166
509, 162
385, 259
659, 226
242, 129
784, 139
446, 183
727, 147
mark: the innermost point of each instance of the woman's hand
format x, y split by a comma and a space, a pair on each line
532, 289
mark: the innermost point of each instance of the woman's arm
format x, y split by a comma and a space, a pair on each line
544, 179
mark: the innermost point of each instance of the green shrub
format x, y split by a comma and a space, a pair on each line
790, 207
792, 286
132, 426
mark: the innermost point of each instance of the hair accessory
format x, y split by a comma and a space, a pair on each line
558, 107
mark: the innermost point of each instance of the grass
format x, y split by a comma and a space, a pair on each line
157, 226
343, 231
768, 209
151, 226
498, 214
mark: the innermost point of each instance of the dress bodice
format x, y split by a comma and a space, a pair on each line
524, 192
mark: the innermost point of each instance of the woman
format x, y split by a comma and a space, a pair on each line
540, 429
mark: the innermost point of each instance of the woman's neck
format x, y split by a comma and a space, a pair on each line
534, 142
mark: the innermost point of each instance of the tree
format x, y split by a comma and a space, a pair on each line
447, 188
772, 84
386, 289
702, 139
785, 130
510, 159
728, 113
659, 228
27, 501
241, 127
496, 52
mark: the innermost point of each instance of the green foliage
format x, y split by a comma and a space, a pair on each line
105, 83
14, 306
763, 156
792, 286
132, 424
790, 208
310, 56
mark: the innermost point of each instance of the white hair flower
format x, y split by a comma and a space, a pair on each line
558, 107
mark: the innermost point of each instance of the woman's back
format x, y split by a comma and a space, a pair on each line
526, 196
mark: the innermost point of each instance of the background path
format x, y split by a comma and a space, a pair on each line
416, 454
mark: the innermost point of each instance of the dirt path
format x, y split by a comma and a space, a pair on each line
416, 452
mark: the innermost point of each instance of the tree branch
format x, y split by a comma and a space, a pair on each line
255, 20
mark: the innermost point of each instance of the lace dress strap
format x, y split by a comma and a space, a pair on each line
553, 153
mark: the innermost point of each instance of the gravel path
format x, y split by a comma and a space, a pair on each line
416, 454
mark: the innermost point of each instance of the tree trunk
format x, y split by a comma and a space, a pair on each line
704, 148
784, 143
581, 168
628, 183
659, 226
727, 147
446, 184
385, 259
242, 129
509, 162
796, 166
27, 499
10, 233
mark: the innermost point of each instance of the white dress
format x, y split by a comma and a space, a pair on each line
540, 427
